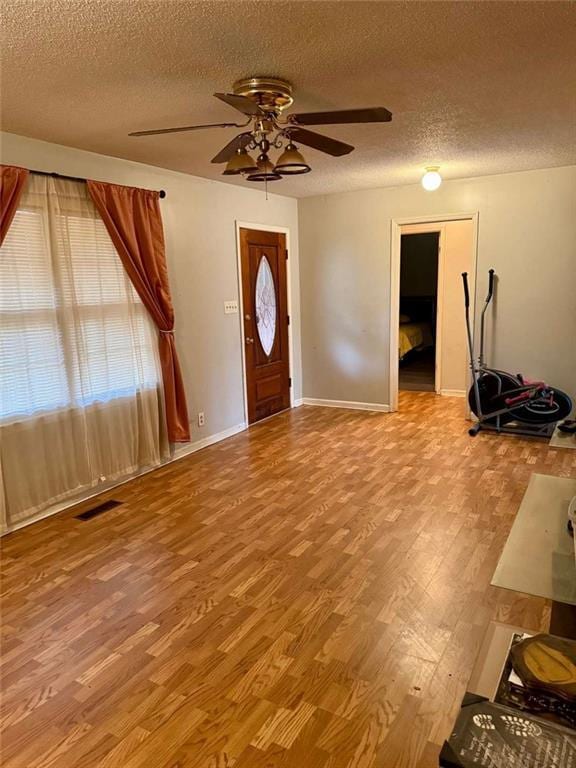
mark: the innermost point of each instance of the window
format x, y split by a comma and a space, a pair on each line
265, 305
73, 330
81, 398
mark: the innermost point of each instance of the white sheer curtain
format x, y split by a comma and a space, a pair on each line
81, 398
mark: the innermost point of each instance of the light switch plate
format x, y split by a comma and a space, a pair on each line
230, 307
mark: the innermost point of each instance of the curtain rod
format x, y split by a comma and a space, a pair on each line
74, 178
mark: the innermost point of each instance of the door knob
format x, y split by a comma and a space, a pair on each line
249, 340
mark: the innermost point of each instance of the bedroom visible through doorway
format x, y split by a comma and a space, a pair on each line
433, 328
417, 334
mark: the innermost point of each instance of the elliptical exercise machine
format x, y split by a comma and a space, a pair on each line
504, 402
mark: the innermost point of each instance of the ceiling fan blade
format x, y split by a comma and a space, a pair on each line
318, 141
185, 128
339, 117
238, 142
241, 103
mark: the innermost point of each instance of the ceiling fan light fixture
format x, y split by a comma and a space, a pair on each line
241, 162
265, 171
431, 179
291, 162
261, 100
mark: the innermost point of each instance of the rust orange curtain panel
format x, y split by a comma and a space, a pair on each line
12, 182
134, 223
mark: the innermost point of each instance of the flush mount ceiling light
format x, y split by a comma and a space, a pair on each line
262, 100
431, 179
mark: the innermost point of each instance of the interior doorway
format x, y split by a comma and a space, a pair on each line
434, 356
417, 333
265, 320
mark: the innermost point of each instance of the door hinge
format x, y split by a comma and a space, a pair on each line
288, 319
286, 252
289, 381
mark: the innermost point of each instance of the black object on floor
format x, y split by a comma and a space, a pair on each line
98, 510
553, 699
493, 736
563, 620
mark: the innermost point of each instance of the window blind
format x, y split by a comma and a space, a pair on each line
73, 330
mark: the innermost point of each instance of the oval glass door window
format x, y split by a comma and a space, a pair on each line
265, 306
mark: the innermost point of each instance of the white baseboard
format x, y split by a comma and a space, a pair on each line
453, 392
184, 449
297, 402
381, 407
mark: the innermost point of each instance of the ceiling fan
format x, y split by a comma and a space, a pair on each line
262, 100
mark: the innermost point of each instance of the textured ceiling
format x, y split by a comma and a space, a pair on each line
477, 88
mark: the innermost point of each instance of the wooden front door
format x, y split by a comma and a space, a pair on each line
265, 322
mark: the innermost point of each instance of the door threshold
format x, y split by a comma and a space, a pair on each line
267, 418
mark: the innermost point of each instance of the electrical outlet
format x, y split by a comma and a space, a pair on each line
230, 307
201, 420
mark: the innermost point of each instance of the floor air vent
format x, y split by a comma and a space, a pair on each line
104, 507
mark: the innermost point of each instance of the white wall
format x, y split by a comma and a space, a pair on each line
527, 232
199, 224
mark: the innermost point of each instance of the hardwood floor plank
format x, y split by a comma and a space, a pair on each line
310, 593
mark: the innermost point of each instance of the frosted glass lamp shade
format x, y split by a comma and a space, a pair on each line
241, 162
431, 179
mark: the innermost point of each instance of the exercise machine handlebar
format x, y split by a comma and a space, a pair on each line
466, 292
490, 284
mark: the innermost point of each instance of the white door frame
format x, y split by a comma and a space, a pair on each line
284, 231
412, 225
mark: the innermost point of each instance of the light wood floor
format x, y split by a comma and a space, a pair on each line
309, 594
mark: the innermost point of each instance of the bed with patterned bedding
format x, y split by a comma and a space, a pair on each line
414, 336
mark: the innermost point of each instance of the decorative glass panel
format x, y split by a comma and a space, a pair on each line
265, 305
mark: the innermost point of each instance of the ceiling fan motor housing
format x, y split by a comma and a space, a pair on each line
271, 93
